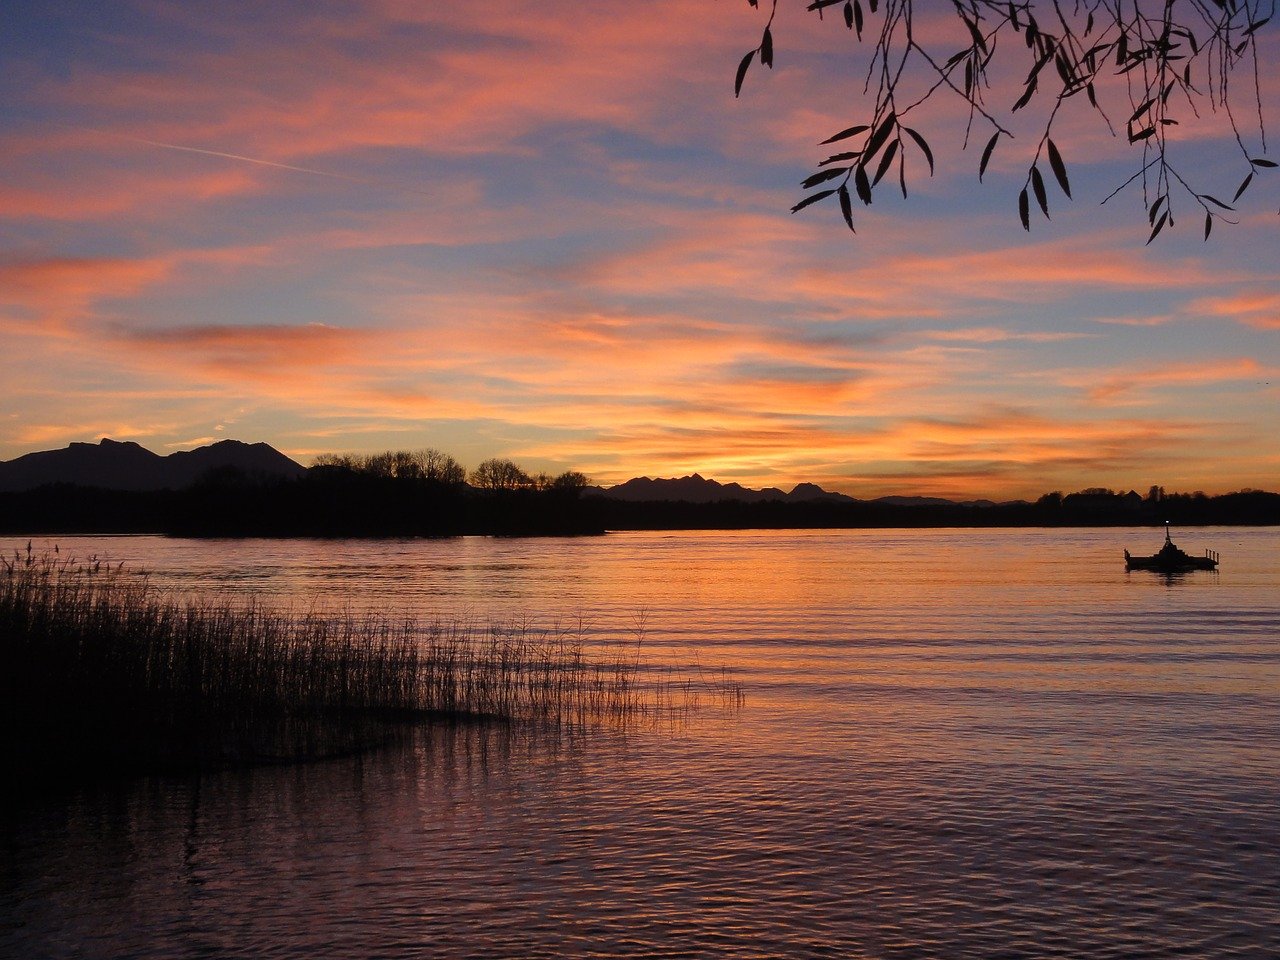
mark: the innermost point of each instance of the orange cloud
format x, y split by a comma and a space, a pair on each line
57, 290
1115, 385
1000, 335
1002, 453
1256, 309
245, 354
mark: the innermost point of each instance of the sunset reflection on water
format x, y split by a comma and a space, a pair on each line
954, 744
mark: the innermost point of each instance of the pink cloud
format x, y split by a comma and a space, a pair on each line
1255, 308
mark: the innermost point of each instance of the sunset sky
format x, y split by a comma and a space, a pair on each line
547, 230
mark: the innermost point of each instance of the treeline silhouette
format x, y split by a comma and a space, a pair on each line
429, 494
1085, 509
401, 493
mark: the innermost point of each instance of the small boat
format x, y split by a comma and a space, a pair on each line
1170, 559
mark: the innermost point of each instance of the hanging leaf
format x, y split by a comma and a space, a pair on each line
1037, 184
1164, 218
1243, 187
848, 14
1039, 65
742, 73
846, 133
862, 185
1024, 209
1256, 26
1059, 168
1155, 208
812, 198
979, 40
924, 147
766, 48
1143, 108
1260, 162
1208, 224
1215, 201
986, 154
1026, 97
846, 206
881, 135
857, 18
822, 176
885, 161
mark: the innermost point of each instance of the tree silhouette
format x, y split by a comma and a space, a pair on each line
500, 474
570, 482
1140, 65
430, 464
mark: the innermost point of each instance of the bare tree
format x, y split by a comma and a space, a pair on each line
435, 466
500, 474
570, 482
429, 464
442, 468
1141, 65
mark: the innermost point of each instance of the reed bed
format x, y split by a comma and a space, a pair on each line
101, 667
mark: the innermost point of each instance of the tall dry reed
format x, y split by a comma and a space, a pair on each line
99, 666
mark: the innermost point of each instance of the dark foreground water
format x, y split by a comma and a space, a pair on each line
955, 744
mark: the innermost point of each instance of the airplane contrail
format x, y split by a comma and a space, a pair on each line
372, 181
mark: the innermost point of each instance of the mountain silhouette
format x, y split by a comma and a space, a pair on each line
699, 489
116, 465
932, 502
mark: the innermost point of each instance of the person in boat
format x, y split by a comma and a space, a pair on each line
1169, 551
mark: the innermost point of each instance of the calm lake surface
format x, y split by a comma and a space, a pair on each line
955, 743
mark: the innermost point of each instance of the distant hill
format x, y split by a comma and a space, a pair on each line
698, 489
933, 502
115, 465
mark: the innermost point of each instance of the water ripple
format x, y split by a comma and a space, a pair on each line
1034, 756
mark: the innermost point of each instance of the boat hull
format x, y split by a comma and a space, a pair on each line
1170, 559
1162, 565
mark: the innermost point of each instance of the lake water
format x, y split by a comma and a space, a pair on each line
955, 743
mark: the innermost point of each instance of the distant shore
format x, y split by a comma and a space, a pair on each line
328, 505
